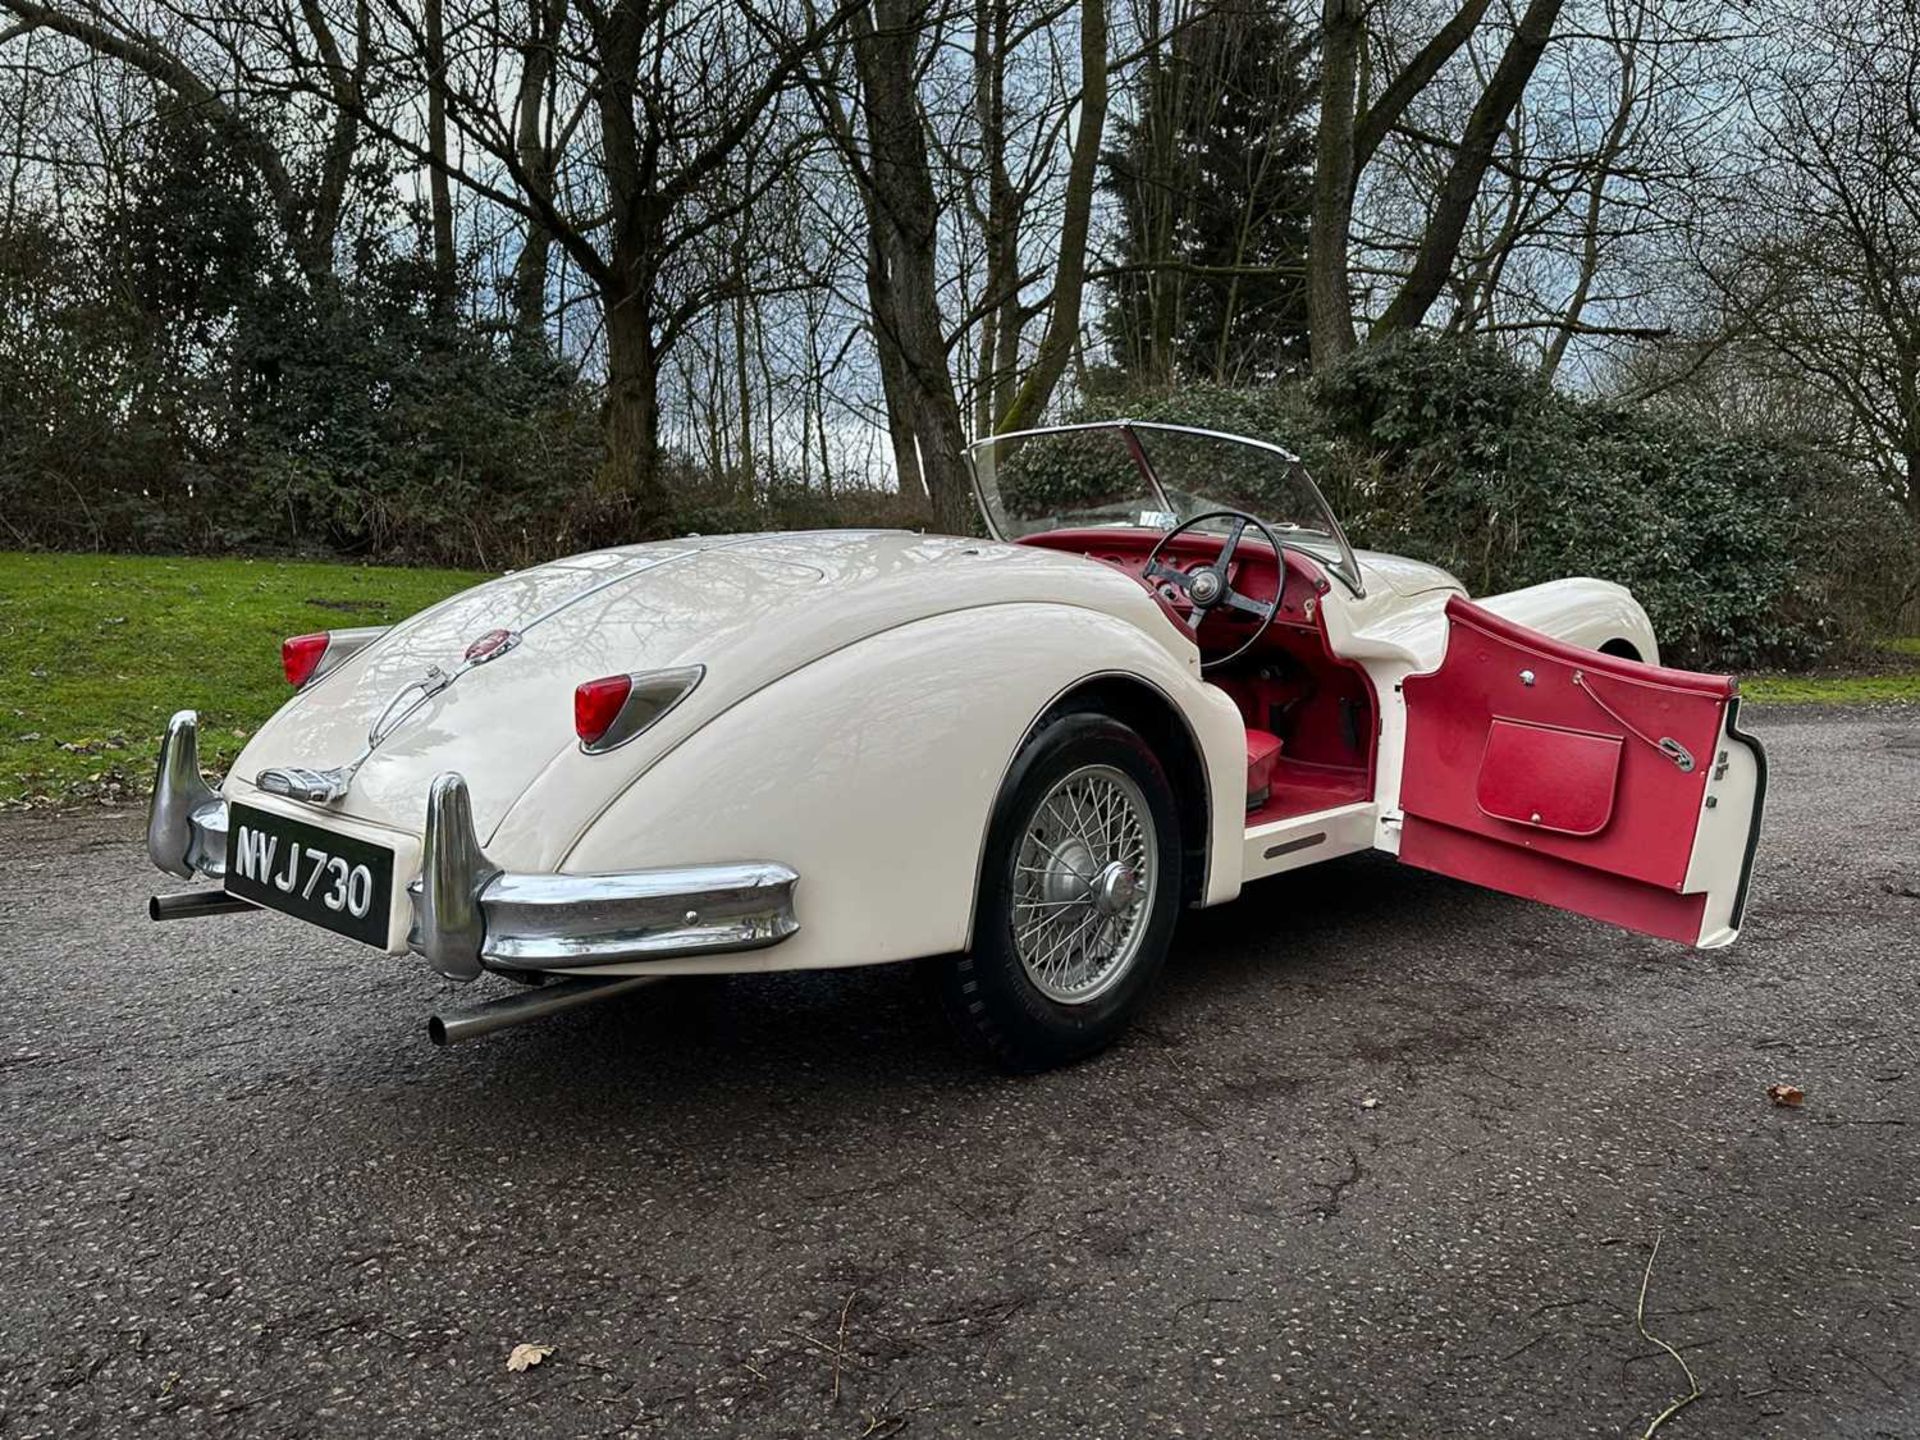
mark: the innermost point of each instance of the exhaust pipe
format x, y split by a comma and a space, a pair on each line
452, 1026
196, 903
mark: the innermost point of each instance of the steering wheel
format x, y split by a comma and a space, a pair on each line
1207, 590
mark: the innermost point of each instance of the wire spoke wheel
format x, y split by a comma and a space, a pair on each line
1084, 882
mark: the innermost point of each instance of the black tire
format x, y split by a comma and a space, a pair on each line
988, 995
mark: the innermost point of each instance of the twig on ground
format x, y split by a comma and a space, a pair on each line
840, 1346
1694, 1392
1516, 1354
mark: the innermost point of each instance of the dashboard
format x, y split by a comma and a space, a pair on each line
1255, 572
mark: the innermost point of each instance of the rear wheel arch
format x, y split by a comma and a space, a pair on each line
1148, 711
989, 991
1622, 647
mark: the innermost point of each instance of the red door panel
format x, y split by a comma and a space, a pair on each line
1580, 779
1552, 779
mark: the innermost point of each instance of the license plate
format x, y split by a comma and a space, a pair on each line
316, 875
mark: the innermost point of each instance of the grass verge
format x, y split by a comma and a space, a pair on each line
1832, 689
97, 650
1891, 675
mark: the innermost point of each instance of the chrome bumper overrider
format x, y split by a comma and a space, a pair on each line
186, 819
470, 916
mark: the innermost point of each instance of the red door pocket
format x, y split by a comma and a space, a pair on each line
1546, 778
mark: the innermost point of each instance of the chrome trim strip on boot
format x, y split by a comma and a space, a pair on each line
469, 915
186, 818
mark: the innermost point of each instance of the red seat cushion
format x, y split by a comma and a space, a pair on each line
1263, 750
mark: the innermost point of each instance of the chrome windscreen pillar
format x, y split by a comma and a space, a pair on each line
186, 818
448, 926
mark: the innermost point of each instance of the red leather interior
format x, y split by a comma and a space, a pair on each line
1263, 750
1548, 778
1501, 731
1317, 709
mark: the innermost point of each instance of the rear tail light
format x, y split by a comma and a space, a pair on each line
301, 655
597, 704
307, 658
611, 711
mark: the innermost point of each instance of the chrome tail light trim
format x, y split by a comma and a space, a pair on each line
654, 693
342, 646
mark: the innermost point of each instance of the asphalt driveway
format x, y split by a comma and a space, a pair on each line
241, 1195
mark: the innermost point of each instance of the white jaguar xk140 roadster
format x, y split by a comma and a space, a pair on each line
1014, 760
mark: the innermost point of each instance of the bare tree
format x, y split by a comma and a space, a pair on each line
309, 198
1821, 247
902, 256
1350, 135
1062, 334
1350, 132
665, 99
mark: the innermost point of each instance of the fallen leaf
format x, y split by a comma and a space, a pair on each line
1786, 1096
525, 1355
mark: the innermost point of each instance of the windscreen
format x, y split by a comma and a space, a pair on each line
1064, 479
1134, 473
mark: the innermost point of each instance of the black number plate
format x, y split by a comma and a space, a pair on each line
317, 875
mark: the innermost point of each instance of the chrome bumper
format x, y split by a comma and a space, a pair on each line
186, 818
470, 915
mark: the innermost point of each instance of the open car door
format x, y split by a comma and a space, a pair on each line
1619, 790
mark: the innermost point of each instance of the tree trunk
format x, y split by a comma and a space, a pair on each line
742, 382
1385, 111
630, 415
315, 246
1440, 244
536, 168
1070, 274
907, 307
440, 196
1329, 293
999, 345
895, 385
630, 469
1912, 459
530, 269
1908, 399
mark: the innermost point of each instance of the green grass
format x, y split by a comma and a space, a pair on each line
1891, 675
97, 651
1832, 689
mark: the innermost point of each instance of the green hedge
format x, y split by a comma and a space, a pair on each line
1746, 549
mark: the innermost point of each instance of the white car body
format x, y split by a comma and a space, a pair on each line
862, 697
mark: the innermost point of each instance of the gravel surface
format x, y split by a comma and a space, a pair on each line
243, 1196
